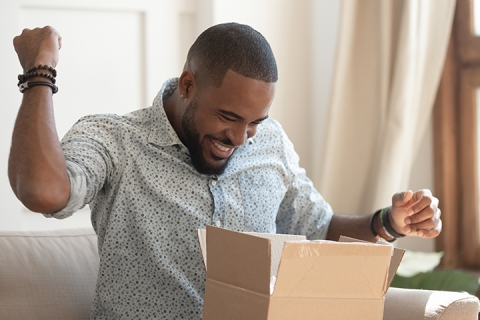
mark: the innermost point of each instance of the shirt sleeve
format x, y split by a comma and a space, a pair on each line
78, 190
303, 210
91, 153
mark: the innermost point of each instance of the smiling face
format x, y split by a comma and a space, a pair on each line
219, 120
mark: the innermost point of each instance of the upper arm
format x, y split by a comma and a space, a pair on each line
303, 210
93, 146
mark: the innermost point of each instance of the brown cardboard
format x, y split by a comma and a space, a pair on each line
277, 241
315, 280
394, 262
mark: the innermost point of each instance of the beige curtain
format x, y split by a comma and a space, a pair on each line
389, 61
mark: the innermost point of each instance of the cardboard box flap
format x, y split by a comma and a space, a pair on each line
202, 241
394, 262
238, 259
276, 243
333, 270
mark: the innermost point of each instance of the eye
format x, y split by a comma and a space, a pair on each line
227, 118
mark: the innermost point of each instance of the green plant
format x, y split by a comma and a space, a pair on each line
446, 280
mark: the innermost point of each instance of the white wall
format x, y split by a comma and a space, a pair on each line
115, 56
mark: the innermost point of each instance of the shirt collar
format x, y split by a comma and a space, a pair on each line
162, 132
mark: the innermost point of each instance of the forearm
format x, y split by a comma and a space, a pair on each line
357, 227
37, 169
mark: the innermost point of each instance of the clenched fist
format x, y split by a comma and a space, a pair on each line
38, 46
416, 214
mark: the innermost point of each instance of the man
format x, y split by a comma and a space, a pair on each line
204, 153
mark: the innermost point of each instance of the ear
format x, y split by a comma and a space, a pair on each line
187, 84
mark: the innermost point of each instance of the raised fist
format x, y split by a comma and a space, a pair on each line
38, 46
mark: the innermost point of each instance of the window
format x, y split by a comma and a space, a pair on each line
457, 139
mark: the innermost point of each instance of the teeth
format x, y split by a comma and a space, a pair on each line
222, 148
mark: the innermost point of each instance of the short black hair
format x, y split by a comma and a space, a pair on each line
233, 46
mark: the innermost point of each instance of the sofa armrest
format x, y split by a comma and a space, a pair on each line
47, 275
410, 304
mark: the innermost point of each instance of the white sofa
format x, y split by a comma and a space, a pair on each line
52, 275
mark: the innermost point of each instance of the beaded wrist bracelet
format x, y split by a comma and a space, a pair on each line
24, 77
44, 67
23, 84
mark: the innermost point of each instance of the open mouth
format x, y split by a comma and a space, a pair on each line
221, 151
222, 148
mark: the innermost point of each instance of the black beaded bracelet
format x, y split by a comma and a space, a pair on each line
24, 77
44, 67
388, 227
27, 85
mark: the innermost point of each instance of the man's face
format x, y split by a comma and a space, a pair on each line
219, 120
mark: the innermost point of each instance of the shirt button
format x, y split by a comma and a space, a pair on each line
213, 182
218, 223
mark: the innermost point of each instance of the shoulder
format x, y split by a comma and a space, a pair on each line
270, 140
105, 123
270, 129
270, 135
137, 117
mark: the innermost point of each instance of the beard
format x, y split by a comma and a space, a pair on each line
193, 144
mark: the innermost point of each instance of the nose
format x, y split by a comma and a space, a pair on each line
239, 134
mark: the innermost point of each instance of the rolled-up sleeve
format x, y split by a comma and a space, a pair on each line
91, 154
78, 191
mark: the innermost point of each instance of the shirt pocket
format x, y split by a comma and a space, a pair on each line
262, 192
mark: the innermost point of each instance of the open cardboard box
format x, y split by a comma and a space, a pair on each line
269, 276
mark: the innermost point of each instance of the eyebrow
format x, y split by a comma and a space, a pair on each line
238, 117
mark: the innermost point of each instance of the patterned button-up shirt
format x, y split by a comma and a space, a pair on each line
147, 202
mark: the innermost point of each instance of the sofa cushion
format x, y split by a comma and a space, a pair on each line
52, 275
47, 275
406, 304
